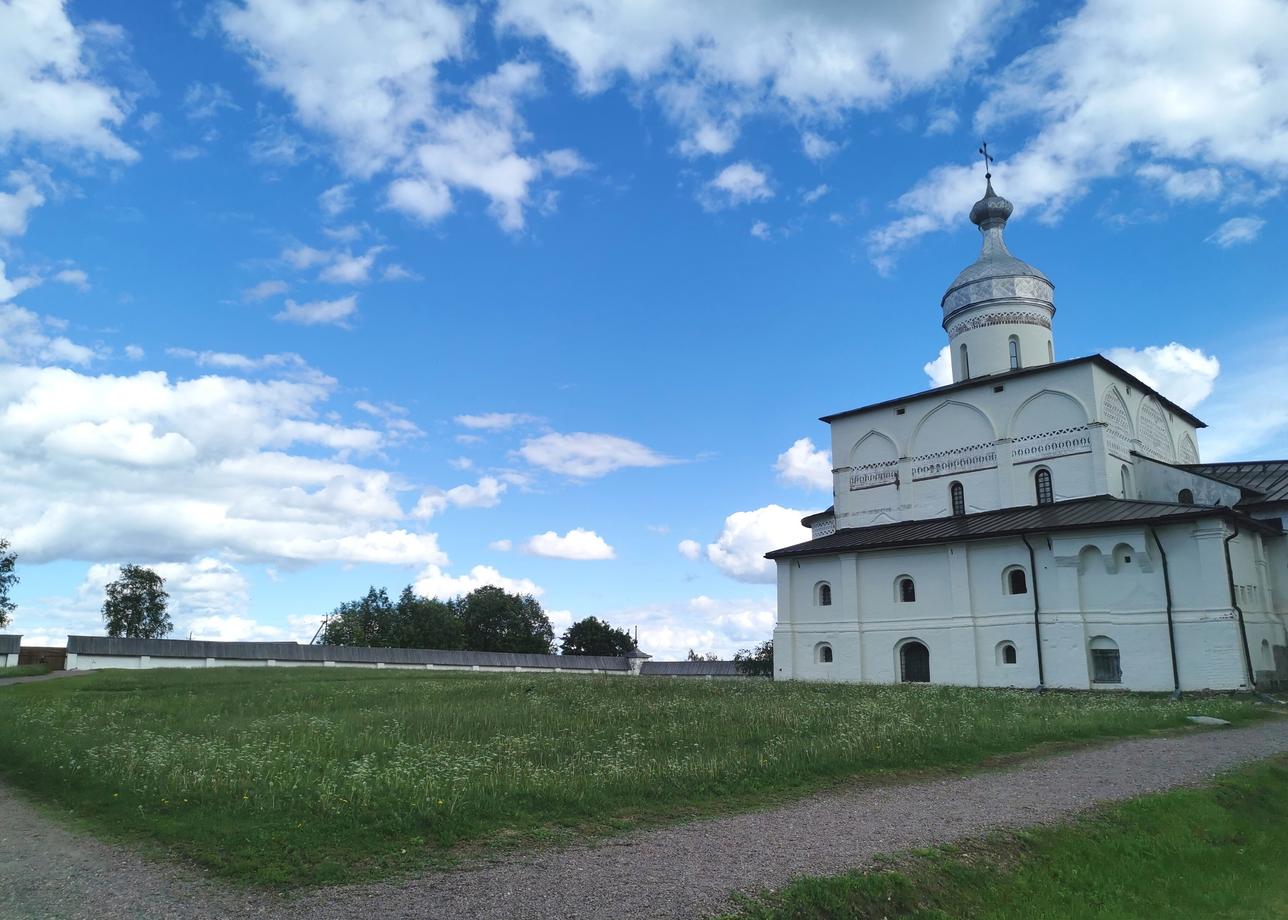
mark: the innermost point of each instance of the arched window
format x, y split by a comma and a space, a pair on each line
905, 590
1042, 483
823, 653
1006, 653
1050, 352
1185, 497
914, 663
957, 496
824, 594
1014, 345
1106, 666
965, 363
1126, 476
1016, 581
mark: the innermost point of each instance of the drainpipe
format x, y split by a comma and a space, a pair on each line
1037, 629
1243, 631
1171, 630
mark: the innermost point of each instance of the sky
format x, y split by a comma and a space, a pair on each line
303, 296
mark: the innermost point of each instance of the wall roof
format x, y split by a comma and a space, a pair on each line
690, 669
1268, 479
10, 645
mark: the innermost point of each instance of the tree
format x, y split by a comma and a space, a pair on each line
7, 580
757, 663
701, 656
426, 622
367, 621
135, 605
593, 636
493, 620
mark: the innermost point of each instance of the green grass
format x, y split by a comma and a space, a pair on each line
299, 776
1198, 854
24, 670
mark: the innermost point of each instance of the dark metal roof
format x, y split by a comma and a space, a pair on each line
818, 516
1268, 479
994, 379
292, 651
10, 645
1068, 515
690, 669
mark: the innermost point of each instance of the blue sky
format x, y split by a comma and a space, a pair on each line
299, 297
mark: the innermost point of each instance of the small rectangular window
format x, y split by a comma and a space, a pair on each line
1105, 666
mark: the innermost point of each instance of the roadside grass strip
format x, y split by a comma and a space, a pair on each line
1192, 854
306, 776
24, 670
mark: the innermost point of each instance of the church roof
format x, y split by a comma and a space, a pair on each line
1267, 479
994, 379
1076, 514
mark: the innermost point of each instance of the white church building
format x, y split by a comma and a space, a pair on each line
1035, 523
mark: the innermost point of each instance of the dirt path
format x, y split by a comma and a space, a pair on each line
52, 675
688, 870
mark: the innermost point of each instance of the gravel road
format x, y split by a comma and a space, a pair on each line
689, 870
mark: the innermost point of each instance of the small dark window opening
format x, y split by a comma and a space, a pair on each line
1185, 497
1008, 654
900, 411
1016, 582
825, 654
958, 496
1105, 668
907, 591
1042, 481
825, 595
999, 388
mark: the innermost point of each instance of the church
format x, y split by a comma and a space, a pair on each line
1035, 523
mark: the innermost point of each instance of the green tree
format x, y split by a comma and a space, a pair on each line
758, 662
135, 606
493, 620
701, 656
426, 622
593, 636
8, 578
370, 620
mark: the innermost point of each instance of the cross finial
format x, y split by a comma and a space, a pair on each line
987, 159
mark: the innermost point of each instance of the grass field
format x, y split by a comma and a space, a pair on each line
292, 776
24, 670
1188, 855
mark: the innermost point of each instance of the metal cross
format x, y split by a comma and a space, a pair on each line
987, 159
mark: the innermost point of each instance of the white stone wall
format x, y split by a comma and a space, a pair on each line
1106, 583
138, 662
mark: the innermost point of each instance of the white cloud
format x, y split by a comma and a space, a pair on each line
760, 230
575, 544
135, 352
942, 121
319, 312
336, 200
485, 494
814, 194
303, 257
817, 147
736, 184
264, 290
1237, 230
690, 549
434, 582
1184, 375
940, 370
705, 624
49, 94
501, 546
1246, 411
740, 549
73, 277
1120, 86
204, 101
1183, 185
368, 76
495, 421
804, 465
350, 269
17, 204
24, 336
588, 456
709, 65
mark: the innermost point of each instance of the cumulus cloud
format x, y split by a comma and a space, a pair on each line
690, 549
760, 230
17, 204
817, 147
336, 200
346, 268
24, 336
495, 421
588, 456
1184, 375
940, 370
668, 630
736, 184
434, 582
368, 76
710, 65
804, 465
486, 493
264, 290
575, 544
226, 360
501, 546
319, 312
814, 194
49, 93
1237, 230
1180, 90
740, 549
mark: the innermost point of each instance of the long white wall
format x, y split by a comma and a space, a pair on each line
137, 662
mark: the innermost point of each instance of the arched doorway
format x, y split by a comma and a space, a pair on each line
914, 663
